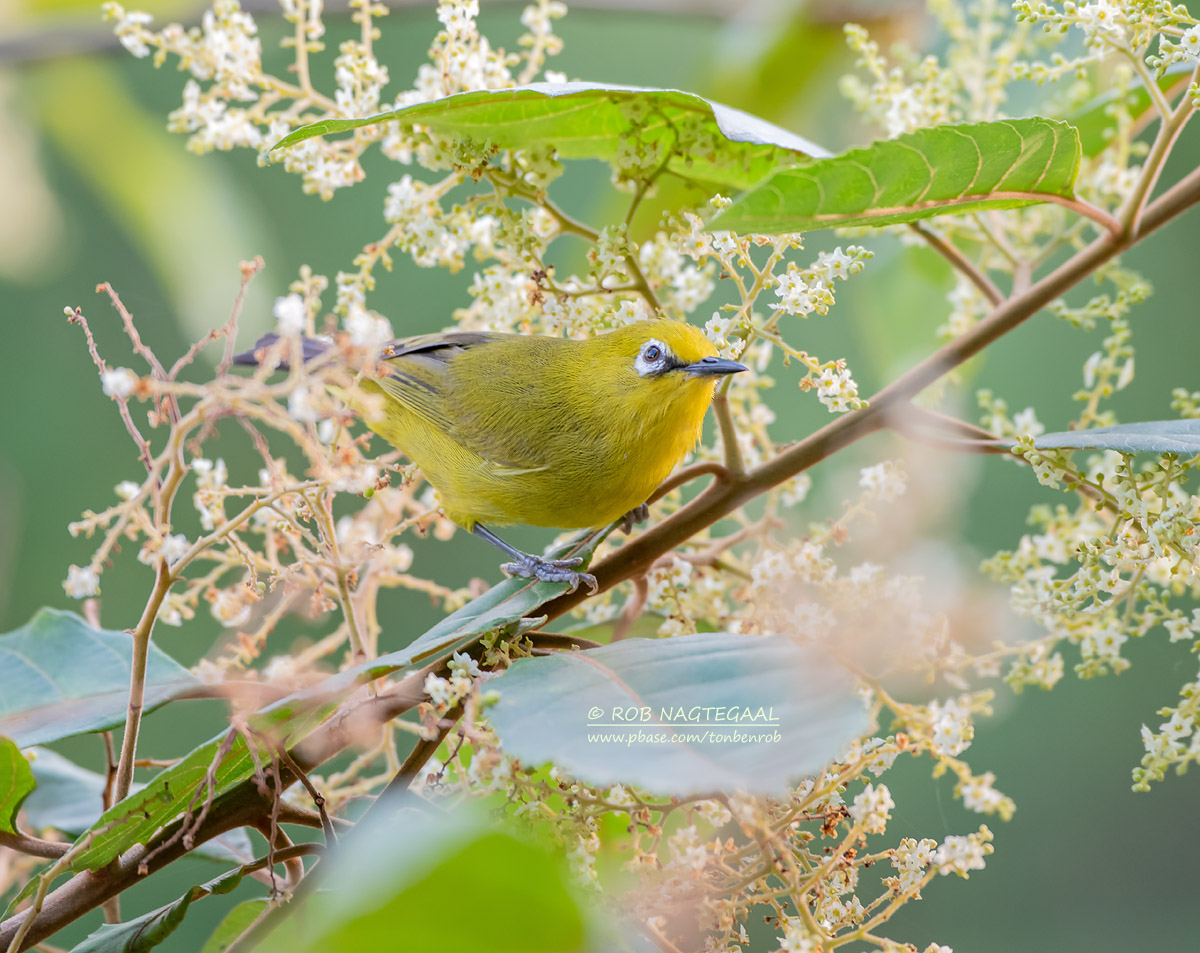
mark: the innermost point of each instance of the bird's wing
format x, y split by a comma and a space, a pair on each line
419, 381
417, 371
441, 346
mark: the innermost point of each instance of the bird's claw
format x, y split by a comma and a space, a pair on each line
639, 514
552, 570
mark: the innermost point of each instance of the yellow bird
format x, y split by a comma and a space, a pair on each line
545, 431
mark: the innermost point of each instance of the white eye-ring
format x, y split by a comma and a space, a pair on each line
652, 358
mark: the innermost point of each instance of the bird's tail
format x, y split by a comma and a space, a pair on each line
310, 348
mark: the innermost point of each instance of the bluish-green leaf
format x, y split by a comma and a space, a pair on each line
150, 929
680, 716
60, 677
588, 121
1150, 436
16, 781
936, 171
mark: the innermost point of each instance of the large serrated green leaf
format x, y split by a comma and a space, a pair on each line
140, 816
16, 781
586, 121
60, 677
149, 930
680, 716
937, 171
1149, 436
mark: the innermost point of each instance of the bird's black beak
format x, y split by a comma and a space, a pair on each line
713, 367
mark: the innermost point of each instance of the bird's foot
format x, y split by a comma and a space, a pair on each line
639, 514
551, 570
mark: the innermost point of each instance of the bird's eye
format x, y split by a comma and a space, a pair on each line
652, 353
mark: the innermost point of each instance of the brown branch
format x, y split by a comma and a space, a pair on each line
33, 846
729, 436
137, 679
915, 423
960, 262
632, 610
240, 807
688, 474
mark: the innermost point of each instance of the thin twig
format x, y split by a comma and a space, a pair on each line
632, 610
249, 270
729, 436
960, 262
76, 317
33, 846
137, 679
44, 881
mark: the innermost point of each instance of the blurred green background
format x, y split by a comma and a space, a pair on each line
94, 189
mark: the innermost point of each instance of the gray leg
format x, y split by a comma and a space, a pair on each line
535, 567
639, 514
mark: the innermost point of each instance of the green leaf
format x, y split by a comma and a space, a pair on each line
16, 781
235, 923
60, 677
140, 816
937, 171
1151, 436
416, 875
720, 145
1095, 121
680, 716
149, 930
69, 799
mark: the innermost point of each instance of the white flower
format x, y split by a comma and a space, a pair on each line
1100, 23
836, 388
127, 489
118, 382
959, 854
463, 665
439, 691
951, 728
129, 28
230, 608
886, 480
979, 795
1026, 421
368, 330
301, 406
291, 314
870, 808
905, 113
1106, 644
835, 264
771, 568
174, 547
81, 582
688, 850
795, 296
458, 17
1190, 43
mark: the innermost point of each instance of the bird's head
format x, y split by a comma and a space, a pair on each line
670, 355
